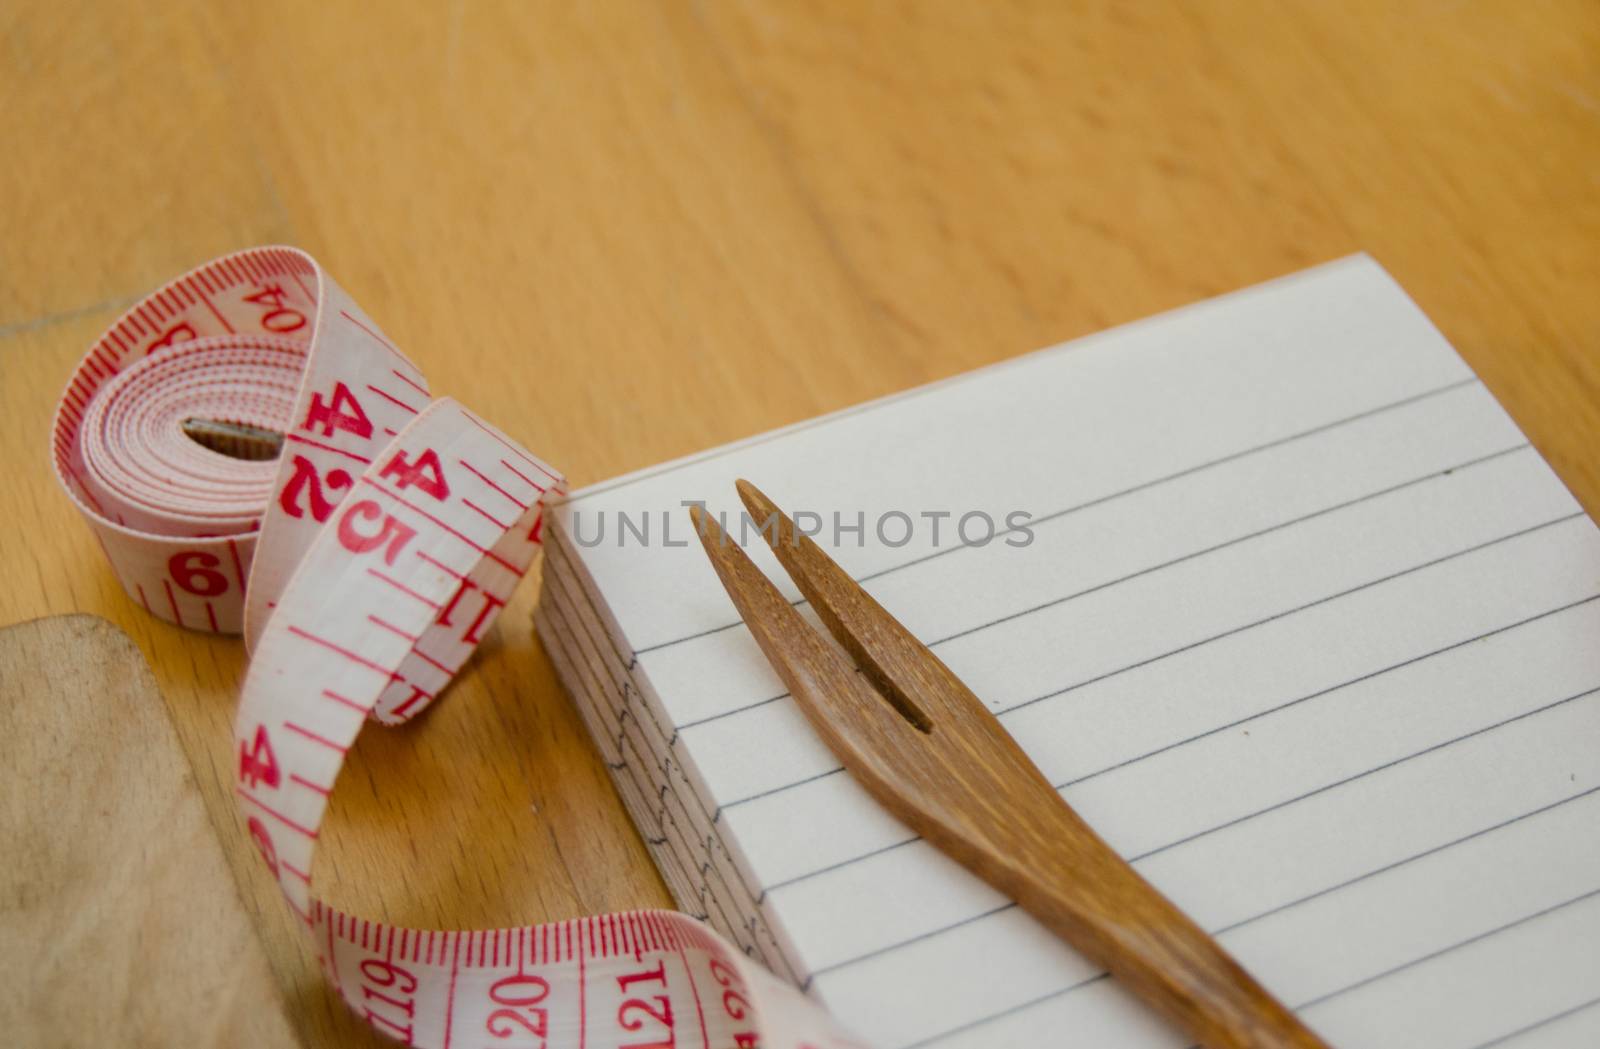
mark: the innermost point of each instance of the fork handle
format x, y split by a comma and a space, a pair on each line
1100, 905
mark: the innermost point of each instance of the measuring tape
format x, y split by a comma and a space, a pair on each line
380, 535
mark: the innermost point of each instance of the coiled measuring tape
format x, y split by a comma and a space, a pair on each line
363, 557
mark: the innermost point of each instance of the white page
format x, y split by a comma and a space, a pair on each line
1306, 630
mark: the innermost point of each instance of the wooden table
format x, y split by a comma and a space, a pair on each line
628, 231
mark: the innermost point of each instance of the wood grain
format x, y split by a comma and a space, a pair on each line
628, 231
117, 910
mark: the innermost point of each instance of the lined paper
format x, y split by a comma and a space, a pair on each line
1306, 630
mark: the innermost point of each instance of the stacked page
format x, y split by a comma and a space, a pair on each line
1272, 589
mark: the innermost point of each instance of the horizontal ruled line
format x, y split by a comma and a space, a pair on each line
1312, 1003
1237, 540
1363, 774
1376, 871
1011, 1010
1369, 584
1543, 1022
1101, 500
1230, 823
1193, 645
1224, 930
1248, 816
1431, 955
1342, 685
1193, 555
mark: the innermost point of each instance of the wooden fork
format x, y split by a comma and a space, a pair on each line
932, 754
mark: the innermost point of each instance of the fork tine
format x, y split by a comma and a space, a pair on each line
902, 668
839, 702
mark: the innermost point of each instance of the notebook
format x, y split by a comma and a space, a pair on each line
1270, 586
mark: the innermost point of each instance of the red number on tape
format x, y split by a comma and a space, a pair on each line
196, 572
628, 1016
535, 989
256, 762
537, 1023
520, 994
425, 473
305, 482
279, 318
182, 332
402, 1032
628, 1012
341, 411
393, 533
384, 973
656, 975
734, 1002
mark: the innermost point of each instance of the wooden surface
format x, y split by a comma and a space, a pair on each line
627, 231
113, 873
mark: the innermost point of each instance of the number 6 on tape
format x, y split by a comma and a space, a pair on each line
378, 548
